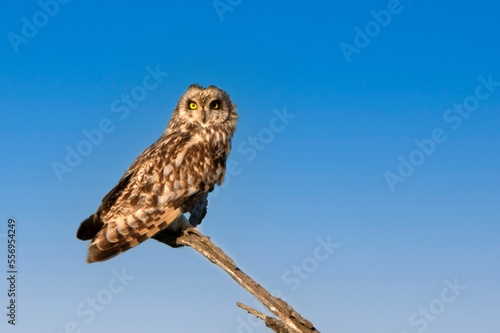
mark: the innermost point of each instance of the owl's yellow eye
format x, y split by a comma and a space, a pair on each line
193, 105
214, 105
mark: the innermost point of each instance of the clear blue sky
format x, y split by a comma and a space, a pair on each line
389, 150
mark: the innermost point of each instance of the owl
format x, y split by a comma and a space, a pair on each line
171, 177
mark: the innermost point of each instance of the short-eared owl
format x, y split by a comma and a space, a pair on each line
171, 177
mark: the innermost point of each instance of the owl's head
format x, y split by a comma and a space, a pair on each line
205, 107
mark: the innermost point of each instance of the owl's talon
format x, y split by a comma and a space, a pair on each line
192, 230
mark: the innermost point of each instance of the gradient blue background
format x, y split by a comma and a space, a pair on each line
323, 175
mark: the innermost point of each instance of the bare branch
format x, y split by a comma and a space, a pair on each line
193, 238
271, 322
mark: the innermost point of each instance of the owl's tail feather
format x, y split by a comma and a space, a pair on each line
118, 236
90, 227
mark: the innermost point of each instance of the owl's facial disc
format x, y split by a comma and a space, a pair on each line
204, 107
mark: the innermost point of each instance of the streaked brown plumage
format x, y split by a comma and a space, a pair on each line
169, 178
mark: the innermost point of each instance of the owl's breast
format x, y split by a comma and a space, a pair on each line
187, 166
210, 163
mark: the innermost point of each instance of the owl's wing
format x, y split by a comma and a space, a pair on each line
143, 203
92, 225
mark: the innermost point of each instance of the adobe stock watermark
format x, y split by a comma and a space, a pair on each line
223, 6
30, 26
373, 28
89, 309
253, 144
93, 137
454, 117
420, 319
299, 273
293, 278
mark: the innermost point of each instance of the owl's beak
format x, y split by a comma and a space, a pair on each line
204, 115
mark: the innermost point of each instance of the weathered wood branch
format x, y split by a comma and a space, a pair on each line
273, 323
290, 321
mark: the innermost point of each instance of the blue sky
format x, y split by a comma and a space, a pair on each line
389, 153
